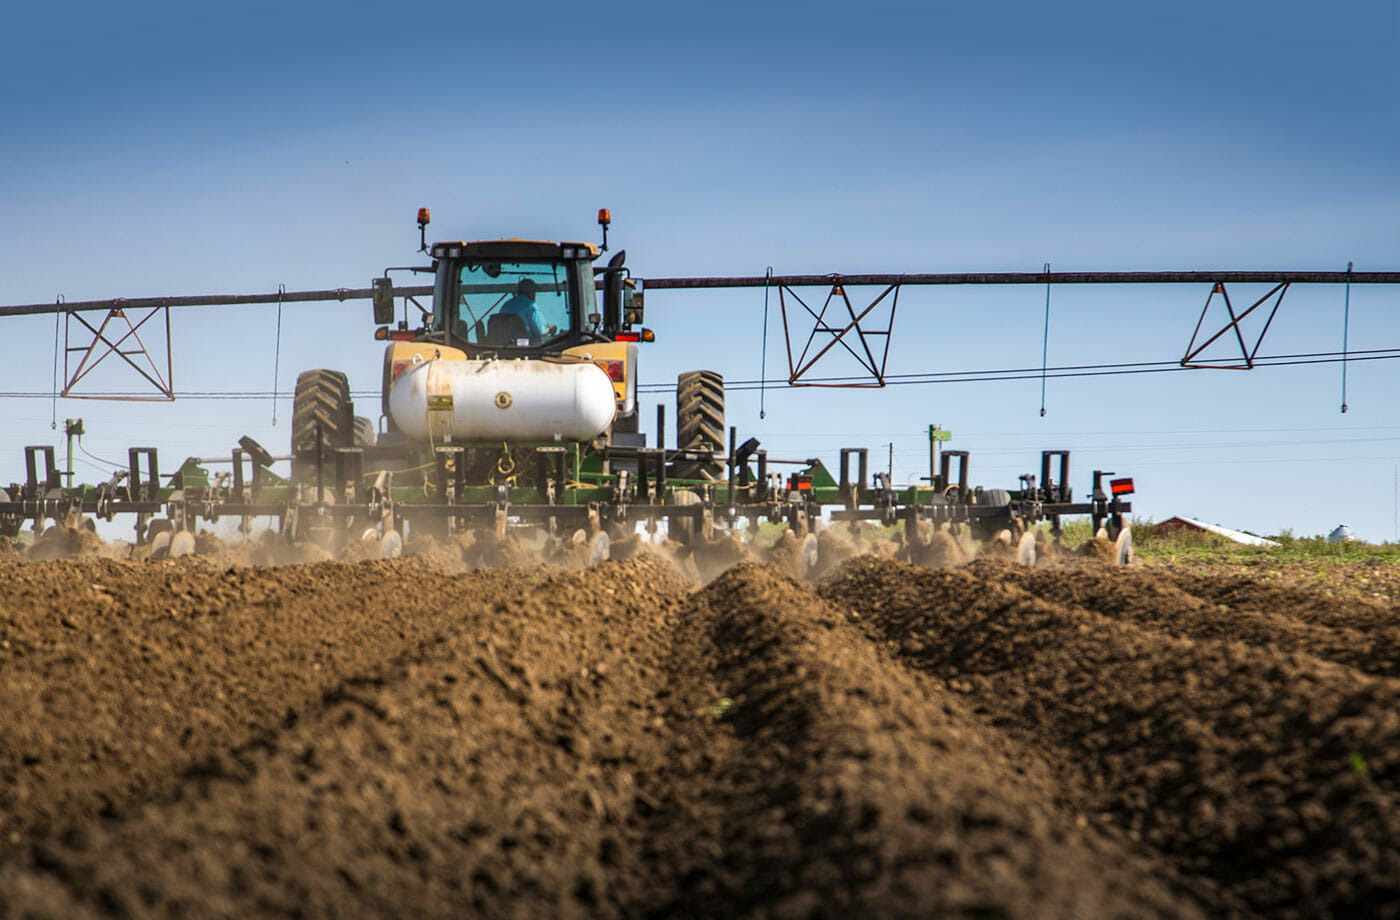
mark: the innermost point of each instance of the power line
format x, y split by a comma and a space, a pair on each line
1219, 445
1389, 458
963, 376
965, 433
1066, 371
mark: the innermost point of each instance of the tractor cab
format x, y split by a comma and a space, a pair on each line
511, 303
516, 298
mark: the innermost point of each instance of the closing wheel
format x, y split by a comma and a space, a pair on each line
1025, 550
1123, 547
700, 421
322, 401
599, 549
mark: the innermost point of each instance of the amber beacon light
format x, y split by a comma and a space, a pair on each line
423, 218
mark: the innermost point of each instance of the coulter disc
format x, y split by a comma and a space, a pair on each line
1025, 550
391, 547
160, 545
807, 561
182, 544
1123, 547
599, 549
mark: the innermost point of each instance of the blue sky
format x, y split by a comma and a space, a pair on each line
177, 149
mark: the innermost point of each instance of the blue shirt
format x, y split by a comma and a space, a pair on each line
529, 311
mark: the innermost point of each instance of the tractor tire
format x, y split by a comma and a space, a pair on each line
994, 498
322, 401
364, 432
700, 422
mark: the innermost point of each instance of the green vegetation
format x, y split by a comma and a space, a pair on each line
1195, 547
1363, 570
1317, 548
1148, 543
1290, 549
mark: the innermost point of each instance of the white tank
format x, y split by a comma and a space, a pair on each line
495, 400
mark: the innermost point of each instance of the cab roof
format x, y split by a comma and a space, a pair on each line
513, 249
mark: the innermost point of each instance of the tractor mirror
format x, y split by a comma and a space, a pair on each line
612, 300
632, 307
383, 300
612, 292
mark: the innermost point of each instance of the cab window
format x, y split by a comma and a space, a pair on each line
511, 304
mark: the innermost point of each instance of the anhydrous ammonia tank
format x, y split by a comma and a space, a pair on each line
495, 400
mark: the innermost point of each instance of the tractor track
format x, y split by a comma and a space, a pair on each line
1270, 772
1363, 634
831, 784
185, 739
482, 770
118, 676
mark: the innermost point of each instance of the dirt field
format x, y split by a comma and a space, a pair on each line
185, 738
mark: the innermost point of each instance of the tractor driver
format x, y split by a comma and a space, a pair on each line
523, 305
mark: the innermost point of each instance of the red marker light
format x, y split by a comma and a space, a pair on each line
613, 369
1121, 486
628, 337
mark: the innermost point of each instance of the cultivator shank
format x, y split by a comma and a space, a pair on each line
595, 493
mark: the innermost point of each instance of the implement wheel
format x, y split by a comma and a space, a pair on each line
700, 422
322, 399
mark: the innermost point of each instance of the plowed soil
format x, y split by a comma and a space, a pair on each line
401, 738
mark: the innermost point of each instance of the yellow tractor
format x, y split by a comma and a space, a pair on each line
515, 379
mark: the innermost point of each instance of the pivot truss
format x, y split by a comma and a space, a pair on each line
108, 339
1193, 351
119, 334
862, 335
865, 333
840, 326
